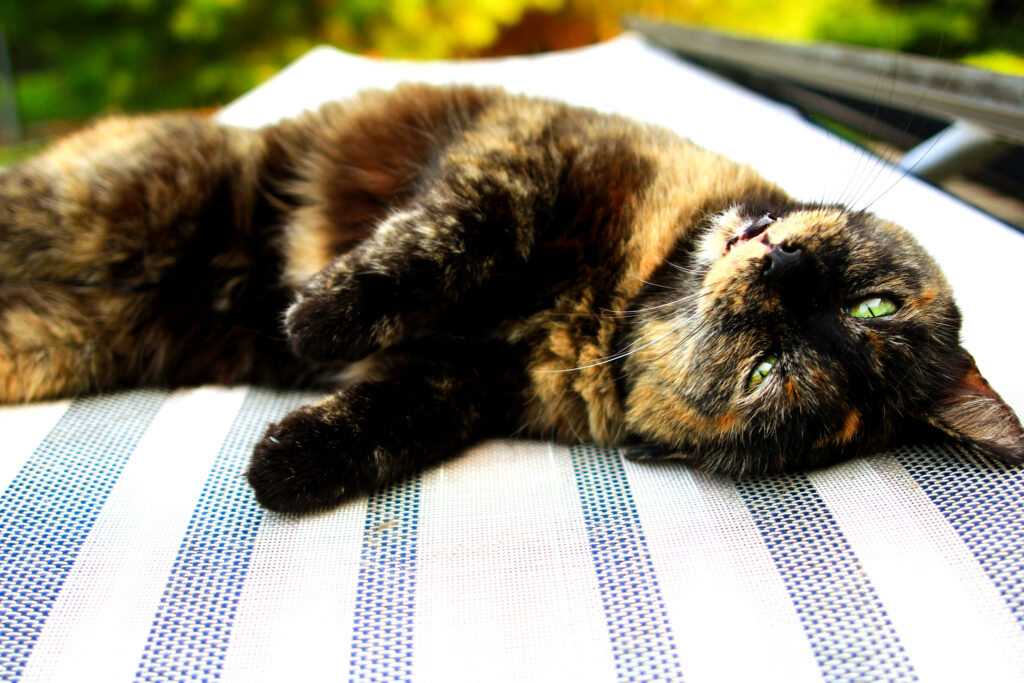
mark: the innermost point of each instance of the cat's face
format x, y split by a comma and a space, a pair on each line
793, 336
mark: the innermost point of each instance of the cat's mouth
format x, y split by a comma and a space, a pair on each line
756, 231
738, 241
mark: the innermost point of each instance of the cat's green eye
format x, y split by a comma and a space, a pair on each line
872, 307
761, 372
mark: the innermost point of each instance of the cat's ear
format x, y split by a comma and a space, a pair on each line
971, 411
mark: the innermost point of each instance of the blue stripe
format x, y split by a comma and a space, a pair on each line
984, 502
50, 507
847, 626
641, 637
189, 636
382, 629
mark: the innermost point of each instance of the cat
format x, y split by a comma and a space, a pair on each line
459, 263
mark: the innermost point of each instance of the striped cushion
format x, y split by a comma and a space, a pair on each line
131, 549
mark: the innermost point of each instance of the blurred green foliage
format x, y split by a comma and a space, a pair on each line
950, 29
73, 60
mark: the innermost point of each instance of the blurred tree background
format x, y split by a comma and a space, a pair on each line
69, 61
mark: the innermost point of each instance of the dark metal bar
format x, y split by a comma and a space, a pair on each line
943, 89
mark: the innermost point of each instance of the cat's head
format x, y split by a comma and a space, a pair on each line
794, 336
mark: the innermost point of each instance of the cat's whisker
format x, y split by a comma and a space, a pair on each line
640, 311
854, 185
623, 353
681, 269
654, 284
891, 158
883, 162
886, 157
907, 171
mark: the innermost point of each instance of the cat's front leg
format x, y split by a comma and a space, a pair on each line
477, 219
422, 405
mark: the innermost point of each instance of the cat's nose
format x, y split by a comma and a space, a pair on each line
781, 258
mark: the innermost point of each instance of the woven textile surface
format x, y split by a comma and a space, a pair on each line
131, 548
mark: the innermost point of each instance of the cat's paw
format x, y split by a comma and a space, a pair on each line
347, 320
309, 462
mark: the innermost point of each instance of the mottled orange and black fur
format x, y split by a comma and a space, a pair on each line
460, 264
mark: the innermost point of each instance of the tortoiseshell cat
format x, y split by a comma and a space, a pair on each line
462, 264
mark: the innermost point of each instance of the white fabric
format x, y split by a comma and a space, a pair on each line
99, 620
131, 549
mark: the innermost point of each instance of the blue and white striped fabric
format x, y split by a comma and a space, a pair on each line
131, 550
